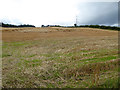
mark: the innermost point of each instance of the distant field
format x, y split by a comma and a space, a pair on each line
20, 34
59, 58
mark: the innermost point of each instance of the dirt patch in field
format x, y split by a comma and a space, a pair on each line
21, 34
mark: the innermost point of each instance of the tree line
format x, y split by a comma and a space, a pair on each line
51, 26
101, 27
89, 26
11, 25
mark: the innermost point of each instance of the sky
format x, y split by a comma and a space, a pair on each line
59, 12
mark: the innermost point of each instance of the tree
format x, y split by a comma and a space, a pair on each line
42, 26
75, 25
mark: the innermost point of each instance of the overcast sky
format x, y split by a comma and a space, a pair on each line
60, 12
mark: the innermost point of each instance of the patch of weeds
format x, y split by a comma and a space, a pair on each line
54, 42
19, 70
4, 46
87, 55
69, 86
32, 63
95, 60
68, 54
84, 60
85, 51
106, 52
18, 43
46, 55
35, 64
88, 69
54, 56
110, 83
106, 58
50, 85
6, 55
32, 55
56, 74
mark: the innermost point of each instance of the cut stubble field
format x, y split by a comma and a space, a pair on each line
59, 58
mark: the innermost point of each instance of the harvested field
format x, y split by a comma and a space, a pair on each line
59, 58
21, 34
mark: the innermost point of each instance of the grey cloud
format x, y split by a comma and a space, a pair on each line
98, 13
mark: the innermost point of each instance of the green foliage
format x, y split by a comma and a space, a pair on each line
50, 26
101, 27
10, 25
97, 26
